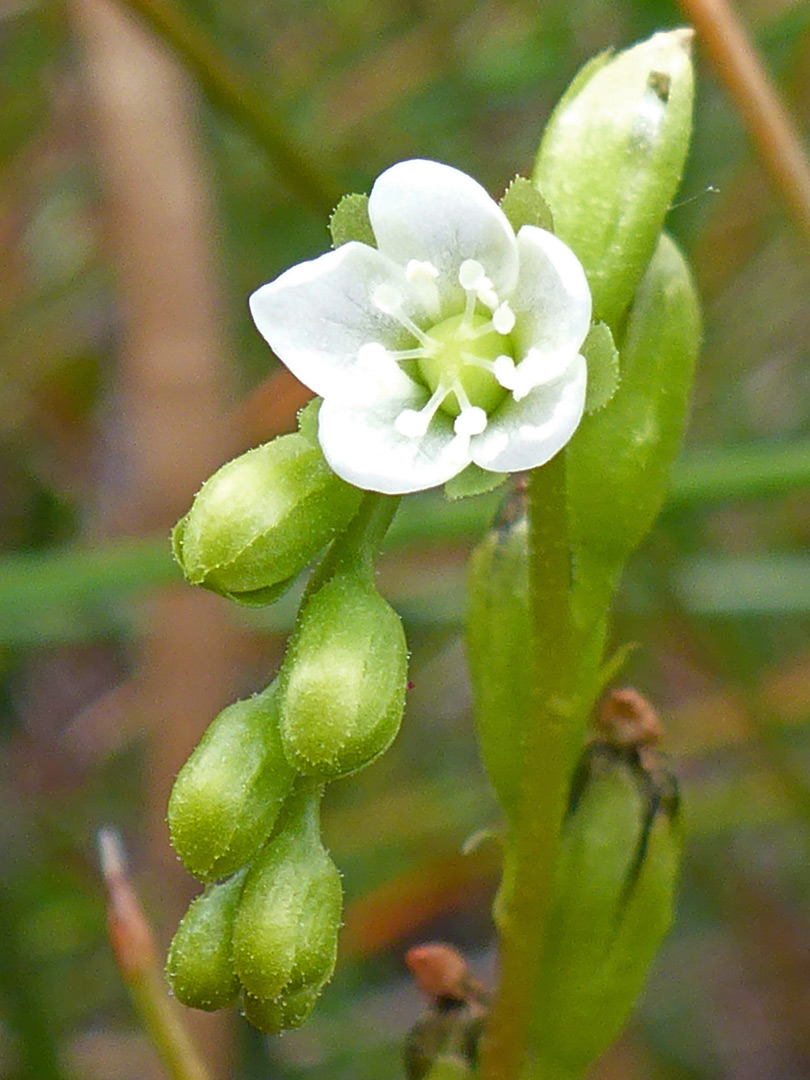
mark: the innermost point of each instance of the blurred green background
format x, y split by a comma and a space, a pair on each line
142, 199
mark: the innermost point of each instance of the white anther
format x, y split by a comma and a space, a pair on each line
471, 421
387, 299
470, 273
505, 372
412, 424
420, 271
503, 319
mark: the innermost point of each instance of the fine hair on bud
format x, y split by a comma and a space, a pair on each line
227, 796
342, 683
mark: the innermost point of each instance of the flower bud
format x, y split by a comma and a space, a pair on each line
257, 522
617, 464
200, 965
612, 905
342, 683
286, 927
498, 627
288, 1011
227, 796
611, 158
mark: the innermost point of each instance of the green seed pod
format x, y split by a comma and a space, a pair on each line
200, 963
342, 683
617, 464
227, 796
286, 927
498, 629
611, 158
257, 522
288, 1011
612, 906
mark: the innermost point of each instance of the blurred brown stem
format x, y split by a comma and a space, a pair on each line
769, 126
135, 952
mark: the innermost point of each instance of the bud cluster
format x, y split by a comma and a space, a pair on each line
244, 811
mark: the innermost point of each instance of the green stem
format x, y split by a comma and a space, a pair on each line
532, 852
167, 1034
229, 91
357, 548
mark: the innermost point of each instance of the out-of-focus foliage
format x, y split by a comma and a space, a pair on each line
718, 598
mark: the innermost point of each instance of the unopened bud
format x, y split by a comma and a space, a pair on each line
286, 927
342, 683
611, 158
200, 965
227, 796
286, 1012
258, 521
612, 905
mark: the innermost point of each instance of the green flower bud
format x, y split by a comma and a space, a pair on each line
200, 964
286, 927
257, 522
611, 158
227, 796
612, 906
498, 627
617, 464
342, 683
284, 1013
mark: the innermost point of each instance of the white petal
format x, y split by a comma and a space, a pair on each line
525, 434
552, 301
431, 212
361, 444
318, 315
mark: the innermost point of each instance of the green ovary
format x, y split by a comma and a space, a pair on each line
448, 364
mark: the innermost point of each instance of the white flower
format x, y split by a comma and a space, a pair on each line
452, 341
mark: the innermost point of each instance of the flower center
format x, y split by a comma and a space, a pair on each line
463, 356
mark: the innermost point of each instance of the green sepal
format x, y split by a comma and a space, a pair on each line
611, 158
350, 221
199, 966
524, 205
343, 679
284, 1013
286, 925
473, 481
308, 420
602, 358
226, 798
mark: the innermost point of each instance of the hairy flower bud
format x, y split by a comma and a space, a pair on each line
257, 522
612, 905
285, 931
285, 1012
342, 683
611, 158
200, 965
498, 628
226, 797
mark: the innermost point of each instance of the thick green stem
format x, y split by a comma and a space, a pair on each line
534, 843
358, 546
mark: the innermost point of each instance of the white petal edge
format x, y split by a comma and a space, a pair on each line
318, 314
525, 434
360, 443
552, 299
431, 212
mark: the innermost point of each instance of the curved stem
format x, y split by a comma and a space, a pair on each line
227, 89
768, 123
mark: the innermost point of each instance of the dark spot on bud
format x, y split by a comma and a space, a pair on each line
660, 82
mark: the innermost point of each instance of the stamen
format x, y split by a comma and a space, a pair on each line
469, 274
504, 370
472, 419
388, 300
413, 423
503, 319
